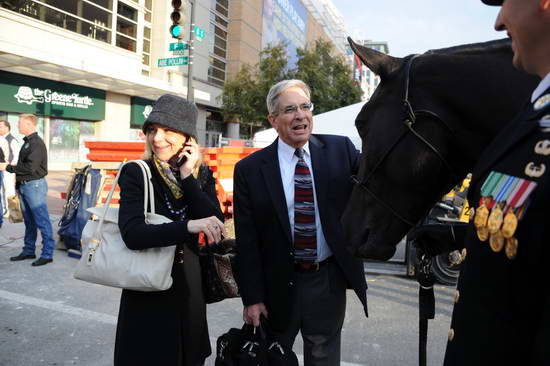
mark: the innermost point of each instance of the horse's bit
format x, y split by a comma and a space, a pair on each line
409, 121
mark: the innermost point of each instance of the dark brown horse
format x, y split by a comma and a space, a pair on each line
422, 132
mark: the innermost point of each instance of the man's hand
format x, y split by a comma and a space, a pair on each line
3, 166
251, 314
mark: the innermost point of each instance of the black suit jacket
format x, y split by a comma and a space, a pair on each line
502, 310
266, 259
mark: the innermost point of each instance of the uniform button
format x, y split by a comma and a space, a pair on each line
291, 283
457, 296
451, 334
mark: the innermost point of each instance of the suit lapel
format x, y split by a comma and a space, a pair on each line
522, 126
272, 175
320, 173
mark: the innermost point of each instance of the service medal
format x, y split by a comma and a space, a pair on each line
483, 233
509, 224
511, 248
495, 219
481, 215
496, 242
542, 102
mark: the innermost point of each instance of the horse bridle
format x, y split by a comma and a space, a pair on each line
409, 121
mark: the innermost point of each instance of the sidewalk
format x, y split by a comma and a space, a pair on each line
12, 234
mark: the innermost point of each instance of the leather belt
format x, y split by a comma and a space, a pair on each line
22, 182
307, 267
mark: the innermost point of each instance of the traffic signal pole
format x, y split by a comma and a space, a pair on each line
190, 92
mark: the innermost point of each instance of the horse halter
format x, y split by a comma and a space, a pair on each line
409, 121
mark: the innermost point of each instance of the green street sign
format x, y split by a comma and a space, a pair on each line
173, 61
199, 33
178, 46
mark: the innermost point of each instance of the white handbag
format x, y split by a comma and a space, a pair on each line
107, 261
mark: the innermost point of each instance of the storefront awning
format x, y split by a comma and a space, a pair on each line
139, 86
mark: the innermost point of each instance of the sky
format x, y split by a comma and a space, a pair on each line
415, 26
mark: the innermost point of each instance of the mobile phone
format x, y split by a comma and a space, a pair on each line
177, 160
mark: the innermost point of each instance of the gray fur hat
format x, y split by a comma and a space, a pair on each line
174, 112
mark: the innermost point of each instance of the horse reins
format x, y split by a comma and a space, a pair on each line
409, 121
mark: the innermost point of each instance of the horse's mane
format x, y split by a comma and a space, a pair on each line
498, 45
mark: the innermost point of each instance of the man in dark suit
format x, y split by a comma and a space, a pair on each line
502, 303
289, 198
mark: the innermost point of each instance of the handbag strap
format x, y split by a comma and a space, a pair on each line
148, 192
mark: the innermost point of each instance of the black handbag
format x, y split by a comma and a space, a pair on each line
252, 346
219, 277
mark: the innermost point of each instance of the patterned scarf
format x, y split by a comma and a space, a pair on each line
167, 174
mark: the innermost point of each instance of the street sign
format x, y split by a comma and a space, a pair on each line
199, 33
173, 61
178, 46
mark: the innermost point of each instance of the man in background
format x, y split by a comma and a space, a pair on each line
30, 172
3, 155
11, 157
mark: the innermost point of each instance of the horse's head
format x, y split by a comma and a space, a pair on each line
422, 132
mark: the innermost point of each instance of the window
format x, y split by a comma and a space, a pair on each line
126, 27
148, 10
127, 11
91, 18
81, 16
108, 4
126, 43
146, 58
217, 41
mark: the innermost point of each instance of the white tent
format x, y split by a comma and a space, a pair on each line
340, 121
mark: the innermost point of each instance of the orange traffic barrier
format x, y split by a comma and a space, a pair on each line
221, 161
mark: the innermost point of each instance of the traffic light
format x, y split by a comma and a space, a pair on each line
176, 29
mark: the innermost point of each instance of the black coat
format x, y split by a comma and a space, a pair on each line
265, 249
502, 310
166, 327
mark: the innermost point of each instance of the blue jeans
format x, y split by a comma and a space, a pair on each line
35, 216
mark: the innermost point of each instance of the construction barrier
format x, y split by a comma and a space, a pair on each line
107, 156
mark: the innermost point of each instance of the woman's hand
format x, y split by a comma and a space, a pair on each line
191, 151
211, 226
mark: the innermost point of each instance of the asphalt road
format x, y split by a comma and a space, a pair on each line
49, 318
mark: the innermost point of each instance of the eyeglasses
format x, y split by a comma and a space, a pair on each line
292, 109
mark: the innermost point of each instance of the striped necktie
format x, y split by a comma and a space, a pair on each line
305, 232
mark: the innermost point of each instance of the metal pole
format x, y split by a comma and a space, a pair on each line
190, 92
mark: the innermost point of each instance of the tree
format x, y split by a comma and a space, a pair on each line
329, 78
243, 98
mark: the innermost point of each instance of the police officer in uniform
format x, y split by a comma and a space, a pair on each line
502, 303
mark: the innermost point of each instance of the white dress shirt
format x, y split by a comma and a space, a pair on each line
287, 164
543, 85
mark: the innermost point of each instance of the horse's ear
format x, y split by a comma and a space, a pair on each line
379, 63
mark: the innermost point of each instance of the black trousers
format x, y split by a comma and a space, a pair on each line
318, 311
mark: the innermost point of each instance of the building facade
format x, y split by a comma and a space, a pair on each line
254, 24
362, 75
90, 69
